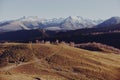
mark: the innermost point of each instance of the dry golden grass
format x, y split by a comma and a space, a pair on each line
59, 62
99, 47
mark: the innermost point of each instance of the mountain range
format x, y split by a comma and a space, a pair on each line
55, 24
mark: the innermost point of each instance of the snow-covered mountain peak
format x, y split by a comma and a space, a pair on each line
115, 17
54, 21
74, 18
115, 20
110, 21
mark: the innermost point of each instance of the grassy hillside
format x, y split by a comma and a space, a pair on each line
56, 62
98, 47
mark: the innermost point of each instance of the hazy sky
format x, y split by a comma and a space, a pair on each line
93, 9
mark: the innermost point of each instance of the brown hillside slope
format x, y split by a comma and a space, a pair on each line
56, 62
98, 47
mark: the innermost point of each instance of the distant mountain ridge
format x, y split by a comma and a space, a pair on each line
110, 22
59, 24
56, 24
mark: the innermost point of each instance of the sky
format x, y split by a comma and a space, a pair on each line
93, 9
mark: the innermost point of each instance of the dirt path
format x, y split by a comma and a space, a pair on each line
57, 52
34, 60
17, 65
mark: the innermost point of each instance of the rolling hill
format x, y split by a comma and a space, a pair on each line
56, 62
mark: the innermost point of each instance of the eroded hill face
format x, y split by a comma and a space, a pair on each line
98, 47
56, 62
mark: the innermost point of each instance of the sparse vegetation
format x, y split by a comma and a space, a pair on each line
15, 54
56, 62
98, 47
